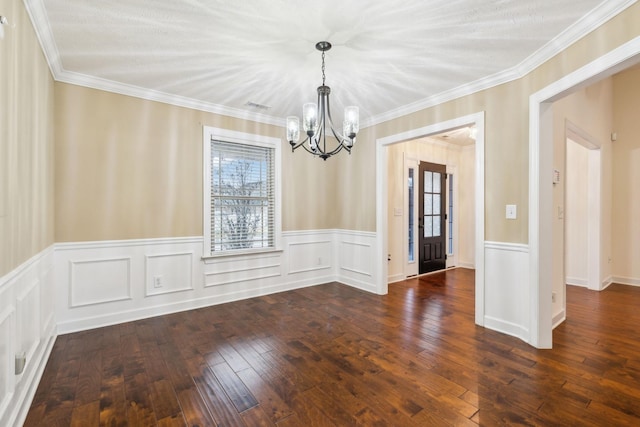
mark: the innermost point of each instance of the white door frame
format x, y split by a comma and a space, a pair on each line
540, 180
476, 119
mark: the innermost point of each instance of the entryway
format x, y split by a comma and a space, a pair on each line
397, 227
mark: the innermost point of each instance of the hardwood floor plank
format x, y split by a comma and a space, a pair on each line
214, 396
270, 402
174, 421
113, 402
233, 386
194, 409
89, 378
86, 415
257, 417
164, 400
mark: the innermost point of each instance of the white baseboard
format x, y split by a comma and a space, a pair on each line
606, 283
625, 280
468, 265
558, 319
576, 281
505, 327
396, 278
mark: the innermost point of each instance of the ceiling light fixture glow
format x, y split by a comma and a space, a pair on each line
315, 118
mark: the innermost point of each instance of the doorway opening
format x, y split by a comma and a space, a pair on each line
414, 203
541, 206
393, 206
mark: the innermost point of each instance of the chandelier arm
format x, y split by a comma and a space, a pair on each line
324, 123
339, 138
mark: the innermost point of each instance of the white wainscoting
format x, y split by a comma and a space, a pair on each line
356, 259
27, 327
109, 282
507, 288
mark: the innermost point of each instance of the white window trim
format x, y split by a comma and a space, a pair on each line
248, 139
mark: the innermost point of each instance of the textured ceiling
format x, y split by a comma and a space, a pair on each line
386, 54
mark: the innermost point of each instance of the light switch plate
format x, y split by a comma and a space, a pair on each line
511, 212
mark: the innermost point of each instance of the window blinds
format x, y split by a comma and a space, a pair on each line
242, 196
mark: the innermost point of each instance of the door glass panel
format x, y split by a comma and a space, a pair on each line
428, 203
436, 183
428, 182
436, 203
428, 228
436, 225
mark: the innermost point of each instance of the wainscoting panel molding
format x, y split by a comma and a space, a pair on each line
99, 281
27, 328
166, 273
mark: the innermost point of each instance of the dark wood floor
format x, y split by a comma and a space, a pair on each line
334, 356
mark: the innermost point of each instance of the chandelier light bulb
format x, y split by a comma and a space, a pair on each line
310, 118
293, 129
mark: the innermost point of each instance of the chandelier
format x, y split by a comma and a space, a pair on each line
316, 117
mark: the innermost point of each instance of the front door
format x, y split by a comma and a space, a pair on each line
432, 217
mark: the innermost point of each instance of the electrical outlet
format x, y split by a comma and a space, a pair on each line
319, 261
553, 297
157, 281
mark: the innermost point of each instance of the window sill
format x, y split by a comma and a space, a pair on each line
254, 253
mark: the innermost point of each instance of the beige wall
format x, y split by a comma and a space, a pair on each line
506, 135
130, 168
466, 207
26, 142
626, 176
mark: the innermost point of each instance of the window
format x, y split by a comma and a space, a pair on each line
411, 221
241, 200
450, 215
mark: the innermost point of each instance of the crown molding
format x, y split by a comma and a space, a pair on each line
605, 11
154, 95
598, 16
42, 27
38, 15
